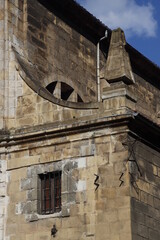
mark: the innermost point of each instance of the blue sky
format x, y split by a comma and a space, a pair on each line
140, 20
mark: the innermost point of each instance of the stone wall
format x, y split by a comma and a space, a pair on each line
52, 51
14, 36
60, 52
147, 97
145, 202
89, 210
4, 200
3, 61
110, 181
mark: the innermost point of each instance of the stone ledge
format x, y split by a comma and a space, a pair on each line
119, 92
35, 217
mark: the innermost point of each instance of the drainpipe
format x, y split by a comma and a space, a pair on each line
98, 60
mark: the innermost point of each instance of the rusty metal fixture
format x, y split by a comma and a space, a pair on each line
53, 231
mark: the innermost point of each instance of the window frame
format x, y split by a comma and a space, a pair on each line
50, 185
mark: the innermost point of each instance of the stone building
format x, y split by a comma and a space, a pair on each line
79, 156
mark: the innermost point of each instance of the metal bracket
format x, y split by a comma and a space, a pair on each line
95, 182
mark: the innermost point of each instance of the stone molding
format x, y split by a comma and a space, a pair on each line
118, 66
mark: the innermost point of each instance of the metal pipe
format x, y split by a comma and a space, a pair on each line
98, 77
98, 68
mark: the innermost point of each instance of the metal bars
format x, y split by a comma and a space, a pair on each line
50, 192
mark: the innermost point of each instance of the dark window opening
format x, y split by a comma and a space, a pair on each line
79, 99
51, 87
50, 196
66, 91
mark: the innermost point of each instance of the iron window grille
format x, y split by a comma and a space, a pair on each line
50, 192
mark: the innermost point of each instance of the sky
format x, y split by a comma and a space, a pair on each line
140, 20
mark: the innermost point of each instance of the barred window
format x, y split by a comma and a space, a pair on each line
50, 192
